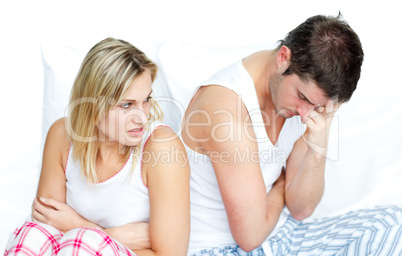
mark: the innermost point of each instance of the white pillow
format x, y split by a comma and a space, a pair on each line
185, 65
61, 64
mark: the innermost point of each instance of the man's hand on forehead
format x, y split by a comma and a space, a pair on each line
331, 106
318, 121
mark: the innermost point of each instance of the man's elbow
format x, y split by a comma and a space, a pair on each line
248, 244
248, 247
302, 214
300, 211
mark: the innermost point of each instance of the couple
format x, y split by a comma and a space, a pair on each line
103, 192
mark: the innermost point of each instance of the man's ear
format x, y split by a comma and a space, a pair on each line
283, 59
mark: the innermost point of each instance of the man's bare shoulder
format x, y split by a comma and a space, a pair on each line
215, 97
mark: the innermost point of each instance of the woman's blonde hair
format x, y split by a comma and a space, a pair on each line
102, 81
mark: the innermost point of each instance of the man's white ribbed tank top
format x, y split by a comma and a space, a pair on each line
209, 223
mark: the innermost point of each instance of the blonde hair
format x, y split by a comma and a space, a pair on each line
102, 81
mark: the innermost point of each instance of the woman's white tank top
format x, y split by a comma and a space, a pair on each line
119, 200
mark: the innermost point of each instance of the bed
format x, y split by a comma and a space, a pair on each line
46, 41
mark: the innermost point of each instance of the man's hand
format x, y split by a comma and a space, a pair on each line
318, 121
57, 214
279, 185
277, 194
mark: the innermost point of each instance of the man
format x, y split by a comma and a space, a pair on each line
243, 127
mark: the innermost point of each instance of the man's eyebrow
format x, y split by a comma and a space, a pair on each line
305, 98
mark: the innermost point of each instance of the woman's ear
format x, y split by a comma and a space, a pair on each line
283, 59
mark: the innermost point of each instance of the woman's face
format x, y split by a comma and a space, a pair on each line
126, 121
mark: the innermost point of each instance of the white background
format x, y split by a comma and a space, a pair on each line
368, 173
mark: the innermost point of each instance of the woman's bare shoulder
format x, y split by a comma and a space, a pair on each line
58, 140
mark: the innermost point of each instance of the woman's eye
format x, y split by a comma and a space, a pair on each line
125, 105
148, 99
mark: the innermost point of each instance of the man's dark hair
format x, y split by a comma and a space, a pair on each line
326, 50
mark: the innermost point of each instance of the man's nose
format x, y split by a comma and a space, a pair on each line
304, 111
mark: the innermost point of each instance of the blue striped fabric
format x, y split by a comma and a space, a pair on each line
375, 231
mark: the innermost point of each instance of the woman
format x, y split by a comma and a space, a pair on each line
104, 188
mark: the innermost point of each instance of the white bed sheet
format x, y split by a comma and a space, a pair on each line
189, 41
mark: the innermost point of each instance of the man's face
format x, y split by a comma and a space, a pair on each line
291, 96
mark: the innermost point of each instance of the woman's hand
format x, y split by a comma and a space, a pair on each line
133, 235
57, 214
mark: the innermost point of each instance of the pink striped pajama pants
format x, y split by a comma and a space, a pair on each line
40, 239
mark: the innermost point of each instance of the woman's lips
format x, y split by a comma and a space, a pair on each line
136, 132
